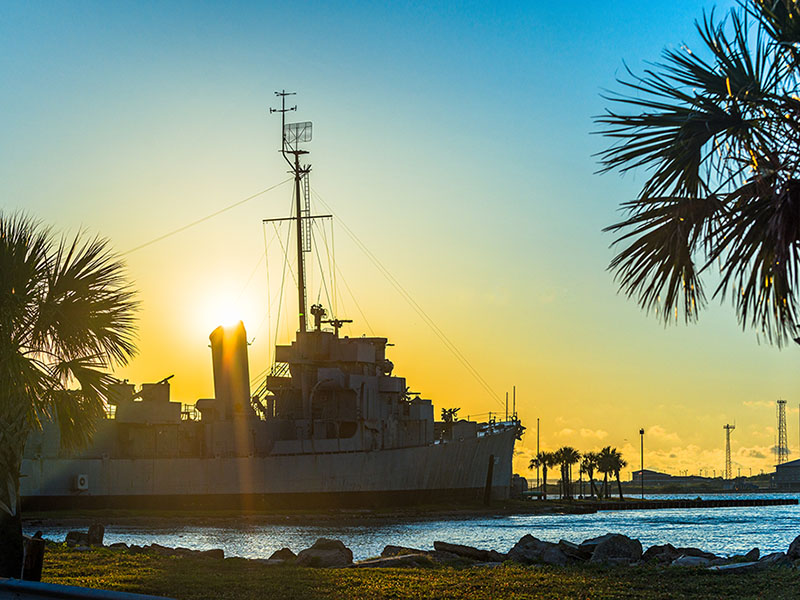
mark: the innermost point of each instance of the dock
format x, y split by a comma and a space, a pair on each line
696, 503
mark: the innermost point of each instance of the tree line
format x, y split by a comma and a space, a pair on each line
607, 461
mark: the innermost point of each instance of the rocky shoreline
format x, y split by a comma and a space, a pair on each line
610, 549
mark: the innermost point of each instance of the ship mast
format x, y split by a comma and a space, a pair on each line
291, 135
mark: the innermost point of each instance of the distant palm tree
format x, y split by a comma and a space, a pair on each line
619, 463
589, 465
716, 130
544, 460
567, 456
559, 460
66, 317
605, 465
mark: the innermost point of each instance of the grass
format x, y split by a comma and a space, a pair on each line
190, 578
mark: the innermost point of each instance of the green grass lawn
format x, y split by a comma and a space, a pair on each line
193, 578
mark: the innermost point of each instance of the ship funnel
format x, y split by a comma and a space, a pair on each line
231, 371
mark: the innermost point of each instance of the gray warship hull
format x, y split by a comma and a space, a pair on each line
455, 470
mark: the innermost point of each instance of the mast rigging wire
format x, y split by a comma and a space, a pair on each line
206, 218
417, 308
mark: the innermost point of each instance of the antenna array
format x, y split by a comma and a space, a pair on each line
728, 428
783, 443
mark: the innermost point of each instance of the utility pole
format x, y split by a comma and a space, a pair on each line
641, 436
537, 450
514, 401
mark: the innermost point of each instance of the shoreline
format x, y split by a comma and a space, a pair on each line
339, 516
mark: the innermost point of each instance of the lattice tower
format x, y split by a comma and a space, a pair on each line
783, 442
728, 470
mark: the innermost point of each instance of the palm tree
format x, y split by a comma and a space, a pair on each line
716, 128
545, 460
589, 464
567, 456
619, 464
558, 459
66, 317
605, 465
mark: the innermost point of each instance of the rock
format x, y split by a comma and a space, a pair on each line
95, 534
794, 549
663, 554
450, 559
588, 546
752, 556
735, 567
697, 552
33, 558
118, 546
617, 549
573, 551
529, 550
399, 550
215, 553
159, 549
554, 556
469, 552
399, 560
776, 559
76, 538
270, 562
690, 561
283, 554
325, 553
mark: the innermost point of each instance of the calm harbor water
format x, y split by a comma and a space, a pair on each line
723, 531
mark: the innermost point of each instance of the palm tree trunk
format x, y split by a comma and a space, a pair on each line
592, 488
10, 521
619, 486
605, 485
13, 434
544, 482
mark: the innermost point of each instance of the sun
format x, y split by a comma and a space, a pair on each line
222, 310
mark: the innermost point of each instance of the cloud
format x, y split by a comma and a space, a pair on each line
758, 404
598, 434
566, 432
756, 454
659, 433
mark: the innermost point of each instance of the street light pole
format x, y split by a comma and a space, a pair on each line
641, 436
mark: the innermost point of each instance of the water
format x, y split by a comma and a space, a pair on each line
723, 531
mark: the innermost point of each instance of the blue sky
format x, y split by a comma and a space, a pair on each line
455, 139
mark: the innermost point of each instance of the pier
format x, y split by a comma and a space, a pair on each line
696, 503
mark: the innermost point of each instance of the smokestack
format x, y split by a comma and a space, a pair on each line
231, 371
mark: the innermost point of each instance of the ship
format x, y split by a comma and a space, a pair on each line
330, 425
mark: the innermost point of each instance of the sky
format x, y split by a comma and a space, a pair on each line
454, 140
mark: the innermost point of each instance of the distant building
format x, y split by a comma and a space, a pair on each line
787, 475
651, 477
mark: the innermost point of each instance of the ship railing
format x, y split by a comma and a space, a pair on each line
278, 369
